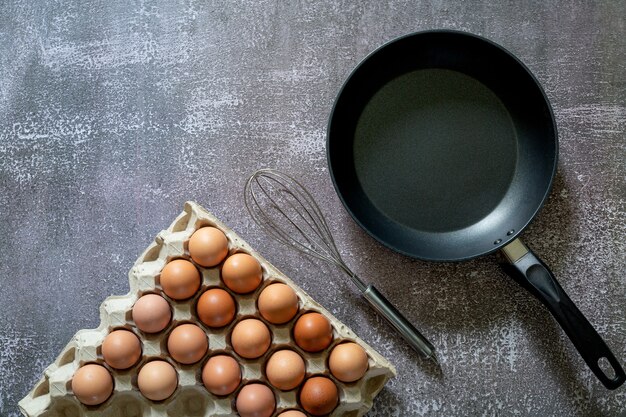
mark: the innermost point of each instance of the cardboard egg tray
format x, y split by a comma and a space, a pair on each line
52, 395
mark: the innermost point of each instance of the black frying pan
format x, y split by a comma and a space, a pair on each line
443, 146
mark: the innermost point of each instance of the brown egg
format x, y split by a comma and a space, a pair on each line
216, 308
348, 362
208, 246
92, 384
121, 349
255, 400
250, 338
278, 303
180, 279
221, 375
285, 369
242, 273
187, 344
152, 313
319, 396
292, 413
157, 380
313, 332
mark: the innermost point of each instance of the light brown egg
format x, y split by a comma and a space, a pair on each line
152, 313
319, 396
255, 400
180, 279
187, 344
292, 413
157, 380
285, 369
208, 246
313, 332
348, 362
250, 338
221, 375
242, 273
216, 307
92, 384
121, 349
278, 303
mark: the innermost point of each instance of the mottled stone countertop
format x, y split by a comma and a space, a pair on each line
114, 113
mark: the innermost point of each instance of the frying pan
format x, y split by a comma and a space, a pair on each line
443, 146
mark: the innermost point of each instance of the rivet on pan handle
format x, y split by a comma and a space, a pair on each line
418, 342
532, 274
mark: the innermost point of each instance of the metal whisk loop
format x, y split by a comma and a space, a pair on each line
286, 211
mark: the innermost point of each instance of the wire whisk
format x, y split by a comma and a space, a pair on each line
286, 211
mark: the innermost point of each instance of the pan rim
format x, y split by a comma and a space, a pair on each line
518, 62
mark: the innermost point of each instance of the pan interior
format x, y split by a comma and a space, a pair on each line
435, 150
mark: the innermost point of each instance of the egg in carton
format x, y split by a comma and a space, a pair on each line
262, 372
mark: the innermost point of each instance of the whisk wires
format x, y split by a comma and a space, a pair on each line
286, 211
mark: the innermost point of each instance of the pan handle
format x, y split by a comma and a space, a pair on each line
532, 274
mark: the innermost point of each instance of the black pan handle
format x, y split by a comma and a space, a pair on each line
532, 274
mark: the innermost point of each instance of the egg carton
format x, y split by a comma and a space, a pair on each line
52, 395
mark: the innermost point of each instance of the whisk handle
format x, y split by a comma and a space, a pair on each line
399, 322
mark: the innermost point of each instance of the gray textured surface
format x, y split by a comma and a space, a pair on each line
112, 114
